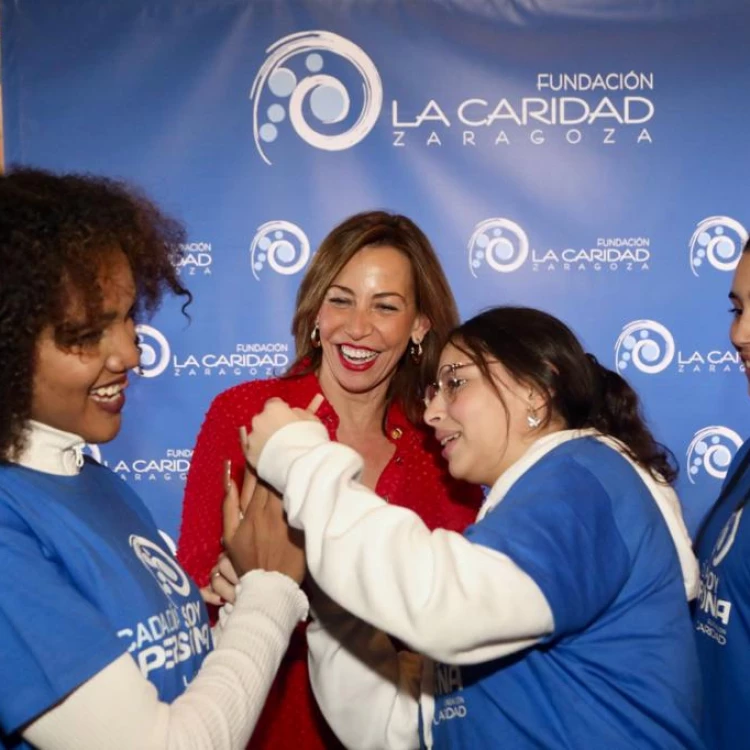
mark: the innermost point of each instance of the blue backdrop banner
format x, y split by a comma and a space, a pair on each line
588, 158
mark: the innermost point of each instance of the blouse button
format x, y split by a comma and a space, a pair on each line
399, 460
396, 433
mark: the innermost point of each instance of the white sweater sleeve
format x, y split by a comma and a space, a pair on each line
367, 691
119, 709
457, 602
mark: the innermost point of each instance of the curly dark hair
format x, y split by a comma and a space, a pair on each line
56, 234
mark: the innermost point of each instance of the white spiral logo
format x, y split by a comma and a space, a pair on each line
283, 245
171, 546
329, 101
501, 243
712, 450
726, 538
718, 240
155, 351
647, 345
168, 574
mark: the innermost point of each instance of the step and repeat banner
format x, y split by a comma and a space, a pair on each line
588, 158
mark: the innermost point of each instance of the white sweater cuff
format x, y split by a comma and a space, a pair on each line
272, 593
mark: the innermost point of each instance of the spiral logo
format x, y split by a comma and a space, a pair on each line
281, 244
155, 351
646, 345
717, 240
168, 574
171, 546
712, 450
726, 538
294, 71
501, 243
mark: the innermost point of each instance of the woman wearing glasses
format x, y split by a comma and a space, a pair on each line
559, 618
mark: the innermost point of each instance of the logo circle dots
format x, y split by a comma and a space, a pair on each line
163, 568
327, 98
154, 349
646, 345
718, 242
282, 246
500, 243
711, 451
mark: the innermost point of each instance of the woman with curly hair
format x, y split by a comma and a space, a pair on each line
105, 640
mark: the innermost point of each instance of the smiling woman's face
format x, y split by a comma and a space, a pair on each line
80, 389
367, 319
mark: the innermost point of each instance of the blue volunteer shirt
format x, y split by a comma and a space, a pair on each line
722, 614
86, 578
620, 669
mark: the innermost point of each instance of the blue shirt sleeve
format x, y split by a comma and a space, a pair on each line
52, 639
558, 526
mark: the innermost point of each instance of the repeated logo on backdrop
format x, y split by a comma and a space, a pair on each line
302, 77
565, 109
281, 246
329, 91
172, 465
649, 347
155, 351
251, 360
645, 345
502, 245
711, 451
499, 243
196, 259
717, 243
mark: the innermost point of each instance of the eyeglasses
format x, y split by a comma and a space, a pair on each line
447, 383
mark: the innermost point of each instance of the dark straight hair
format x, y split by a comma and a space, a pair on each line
539, 350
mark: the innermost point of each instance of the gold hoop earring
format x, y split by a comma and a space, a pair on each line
415, 351
315, 336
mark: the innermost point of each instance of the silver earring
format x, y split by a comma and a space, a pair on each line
532, 420
415, 351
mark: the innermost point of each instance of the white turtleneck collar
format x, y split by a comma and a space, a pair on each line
51, 450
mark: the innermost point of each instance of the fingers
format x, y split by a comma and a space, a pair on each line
225, 568
275, 415
249, 483
222, 583
224, 589
210, 597
314, 405
231, 508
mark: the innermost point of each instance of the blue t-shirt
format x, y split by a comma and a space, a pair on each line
620, 669
86, 578
722, 615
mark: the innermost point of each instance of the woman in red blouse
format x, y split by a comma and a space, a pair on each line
372, 313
